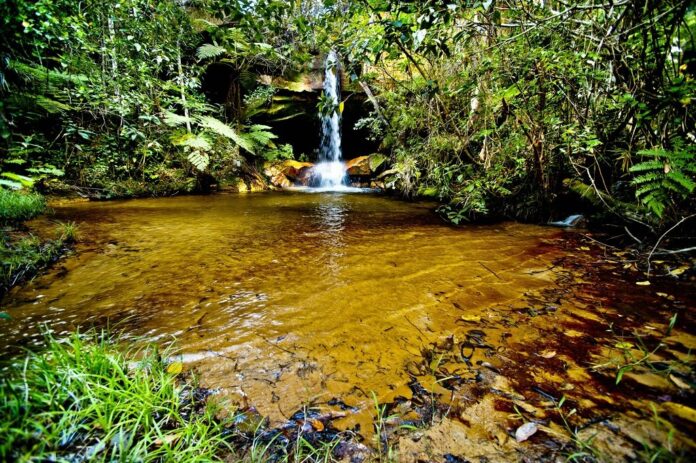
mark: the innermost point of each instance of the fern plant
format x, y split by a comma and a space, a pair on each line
198, 146
209, 51
663, 177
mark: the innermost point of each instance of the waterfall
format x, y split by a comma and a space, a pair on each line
330, 169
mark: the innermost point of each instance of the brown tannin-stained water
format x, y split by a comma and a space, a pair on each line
282, 300
351, 285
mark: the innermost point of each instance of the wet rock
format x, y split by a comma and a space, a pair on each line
251, 185
352, 452
359, 167
366, 166
526, 431
571, 221
287, 173
280, 180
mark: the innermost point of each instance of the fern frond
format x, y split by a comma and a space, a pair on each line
681, 181
209, 51
175, 120
220, 128
199, 160
647, 165
650, 177
261, 136
40, 73
654, 153
51, 106
259, 127
197, 142
642, 191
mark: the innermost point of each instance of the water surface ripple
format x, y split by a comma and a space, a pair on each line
282, 298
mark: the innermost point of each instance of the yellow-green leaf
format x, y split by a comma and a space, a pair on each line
175, 368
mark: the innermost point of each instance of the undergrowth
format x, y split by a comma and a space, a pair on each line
22, 258
83, 399
16, 207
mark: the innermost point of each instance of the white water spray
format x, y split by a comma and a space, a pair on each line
330, 168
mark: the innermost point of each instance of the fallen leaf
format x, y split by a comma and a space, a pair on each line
584, 248
175, 368
525, 431
548, 354
169, 439
662, 294
643, 283
318, 425
471, 318
682, 411
679, 271
679, 382
624, 345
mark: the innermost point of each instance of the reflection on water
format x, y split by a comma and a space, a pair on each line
281, 298
330, 217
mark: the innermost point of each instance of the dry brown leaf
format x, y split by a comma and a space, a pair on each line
681, 384
317, 425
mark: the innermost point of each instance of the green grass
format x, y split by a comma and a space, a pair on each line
17, 206
83, 399
21, 259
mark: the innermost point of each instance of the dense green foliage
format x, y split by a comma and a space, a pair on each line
84, 399
498, 108
495, 104
110, 93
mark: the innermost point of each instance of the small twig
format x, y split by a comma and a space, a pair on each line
277, 346
599, 242
652, 251
631, 235
419, 330
495, 274
676, 251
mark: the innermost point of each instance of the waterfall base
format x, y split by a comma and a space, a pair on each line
330, 175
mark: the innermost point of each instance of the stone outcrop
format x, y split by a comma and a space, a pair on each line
365, 166
284, 174
362, 171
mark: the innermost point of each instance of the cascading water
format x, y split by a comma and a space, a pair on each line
330, 169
